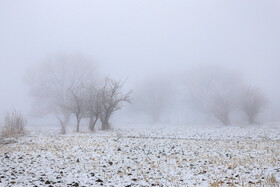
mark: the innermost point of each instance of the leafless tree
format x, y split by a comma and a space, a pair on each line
215, 91
52, 81
111, 100
93, 105
221, 107
252, 103
154, 96
63, 116
76, 105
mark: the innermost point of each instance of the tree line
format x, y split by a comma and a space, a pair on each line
70, 85
211, 90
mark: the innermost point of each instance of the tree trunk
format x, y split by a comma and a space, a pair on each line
78, 124
92, 122
105, 124
225, 119
252, 119
62, 127
64, 122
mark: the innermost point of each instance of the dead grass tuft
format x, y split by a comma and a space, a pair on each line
14, 125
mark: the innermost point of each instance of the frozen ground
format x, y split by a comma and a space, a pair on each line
144, 157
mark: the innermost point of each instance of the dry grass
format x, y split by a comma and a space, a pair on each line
271, 181
14, 125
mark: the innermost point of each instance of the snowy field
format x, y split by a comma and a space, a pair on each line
144, 157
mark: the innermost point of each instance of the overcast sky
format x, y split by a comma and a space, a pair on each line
136, 38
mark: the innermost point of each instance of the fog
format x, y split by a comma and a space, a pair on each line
136, 40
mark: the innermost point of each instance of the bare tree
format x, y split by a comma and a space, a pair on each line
63, 116
76, 105
215, 91
93, 105
52, 81
252, 103
154, 96
111, 100
221, 107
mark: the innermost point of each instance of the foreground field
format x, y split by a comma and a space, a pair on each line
144, 157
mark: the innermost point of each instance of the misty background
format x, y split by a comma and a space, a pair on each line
136, 40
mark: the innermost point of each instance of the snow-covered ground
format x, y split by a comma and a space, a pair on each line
144, 157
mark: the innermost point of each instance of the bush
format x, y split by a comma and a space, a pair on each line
14, 125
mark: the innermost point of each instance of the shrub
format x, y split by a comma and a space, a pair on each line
14, 125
